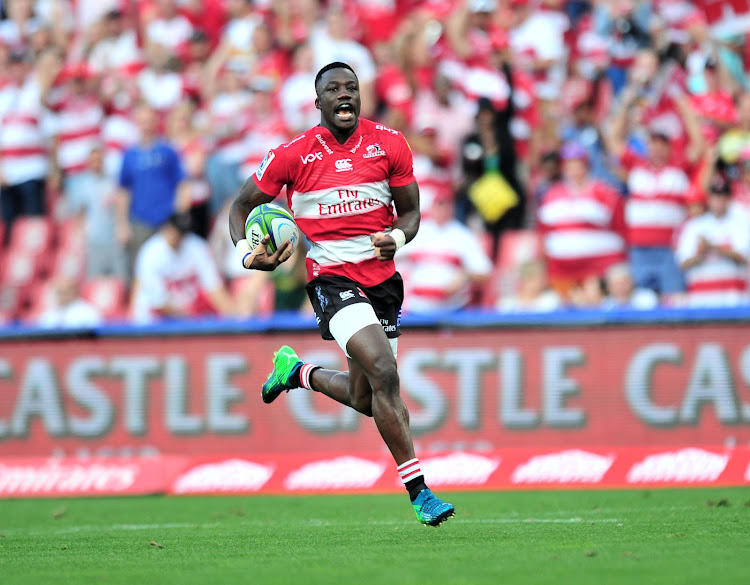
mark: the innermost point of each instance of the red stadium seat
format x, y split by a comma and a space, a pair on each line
69, 261
70, 235
107, 294
32, 235
516, 247
19, 269
41, 299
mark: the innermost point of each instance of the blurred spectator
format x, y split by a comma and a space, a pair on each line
658, 183
227, 108
68, 309
582, 224
150, 175
118, 50
442, 262
176, 276
534, 293
24, 153
583, 129
713, 250
490, 183
159, 83
265, 125
551, 173
287, 282
714, 106
93, 196
331, 41
625, 25
536, 38
737, 137
235, 47
445, 109
622, 292
588, 293
77, 122
297, 92
194, 193
168, 28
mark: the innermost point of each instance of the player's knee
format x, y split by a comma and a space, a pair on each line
385, 375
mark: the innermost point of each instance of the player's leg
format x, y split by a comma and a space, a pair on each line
375, 353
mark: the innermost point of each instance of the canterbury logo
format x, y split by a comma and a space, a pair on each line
344, 164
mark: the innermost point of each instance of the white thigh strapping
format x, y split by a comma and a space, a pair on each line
352, 318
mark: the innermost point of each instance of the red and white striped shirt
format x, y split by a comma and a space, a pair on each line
78, 128
716, 281
583, 230
23, 145
119, 133
657, 204
438, 264
340, 195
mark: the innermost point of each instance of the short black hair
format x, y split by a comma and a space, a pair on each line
334, 65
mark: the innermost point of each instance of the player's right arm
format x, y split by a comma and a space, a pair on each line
250, 196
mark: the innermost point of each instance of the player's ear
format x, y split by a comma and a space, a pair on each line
317, 103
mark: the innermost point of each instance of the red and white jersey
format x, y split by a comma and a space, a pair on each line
657, 202
583, 230
78, 128
716, 281
340, 194
438, 264
229, 121
23, 144
119, 133
179, 278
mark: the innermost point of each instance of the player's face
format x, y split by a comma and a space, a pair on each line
338, 100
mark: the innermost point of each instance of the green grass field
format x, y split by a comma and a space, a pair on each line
690, 536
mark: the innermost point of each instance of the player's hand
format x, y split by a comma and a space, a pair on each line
262, 260
385, 246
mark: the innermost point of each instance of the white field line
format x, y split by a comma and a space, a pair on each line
95, 528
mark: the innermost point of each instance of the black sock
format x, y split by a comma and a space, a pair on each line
414, 486
294, 381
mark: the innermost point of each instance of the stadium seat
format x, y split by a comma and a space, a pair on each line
19, 269
70, 234
68, 261
32, 235
107, 294
41, 298
516, 247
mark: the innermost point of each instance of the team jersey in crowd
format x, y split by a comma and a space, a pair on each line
583, 232
716, 281
23, 141
657, 204
438, 264
340, 194
179, 278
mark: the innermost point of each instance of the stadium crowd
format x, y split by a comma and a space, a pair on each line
569, 153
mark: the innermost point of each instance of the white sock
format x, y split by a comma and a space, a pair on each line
410, 470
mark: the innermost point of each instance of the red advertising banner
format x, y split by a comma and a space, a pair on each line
304, 473
467, 390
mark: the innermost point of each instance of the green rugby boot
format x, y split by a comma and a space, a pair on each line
286, 364
431, 510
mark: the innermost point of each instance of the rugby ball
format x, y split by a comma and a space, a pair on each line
274, 220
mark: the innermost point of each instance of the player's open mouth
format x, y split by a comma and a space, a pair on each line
344, 112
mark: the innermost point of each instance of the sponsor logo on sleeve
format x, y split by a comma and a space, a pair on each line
264, 165
234, 475
684, 466
335, 474
346, 295
572, 466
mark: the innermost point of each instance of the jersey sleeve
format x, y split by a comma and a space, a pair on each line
402, 164
273, 172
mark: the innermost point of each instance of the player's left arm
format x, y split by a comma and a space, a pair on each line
406, 200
